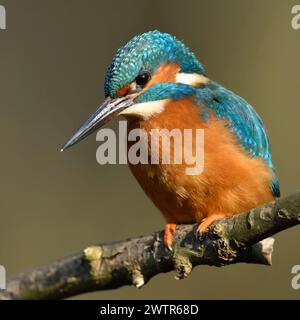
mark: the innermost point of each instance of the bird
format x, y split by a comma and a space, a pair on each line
155, 81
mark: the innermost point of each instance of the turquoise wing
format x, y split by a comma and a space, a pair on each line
245, 124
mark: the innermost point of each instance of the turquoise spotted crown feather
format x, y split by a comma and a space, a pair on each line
146, 52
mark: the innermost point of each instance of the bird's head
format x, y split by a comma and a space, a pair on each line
150, 69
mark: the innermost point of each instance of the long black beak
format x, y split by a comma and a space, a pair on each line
108, 109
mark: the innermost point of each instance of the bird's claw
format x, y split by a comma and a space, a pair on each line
207, 222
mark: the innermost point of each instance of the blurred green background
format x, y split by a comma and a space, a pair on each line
53, 57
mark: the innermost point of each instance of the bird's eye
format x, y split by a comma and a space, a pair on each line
143, 78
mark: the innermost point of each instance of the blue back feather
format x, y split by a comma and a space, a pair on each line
245, 124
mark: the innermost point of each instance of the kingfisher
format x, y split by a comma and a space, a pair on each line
156, 82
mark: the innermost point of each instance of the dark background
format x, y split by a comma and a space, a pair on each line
53, 57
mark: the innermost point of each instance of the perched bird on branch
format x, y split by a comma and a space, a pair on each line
156, 82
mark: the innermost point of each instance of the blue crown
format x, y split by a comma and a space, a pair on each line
147, 52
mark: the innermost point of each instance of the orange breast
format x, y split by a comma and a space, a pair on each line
230, 183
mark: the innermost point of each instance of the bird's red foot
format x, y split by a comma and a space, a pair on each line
206, 222
168, 235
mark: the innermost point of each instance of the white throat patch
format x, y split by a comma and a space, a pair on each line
191, 79
145, 110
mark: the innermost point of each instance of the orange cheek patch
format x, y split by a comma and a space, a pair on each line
124, 90
165, 73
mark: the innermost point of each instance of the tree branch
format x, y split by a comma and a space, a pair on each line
136, 261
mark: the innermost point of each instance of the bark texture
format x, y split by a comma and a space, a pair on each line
240, 238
